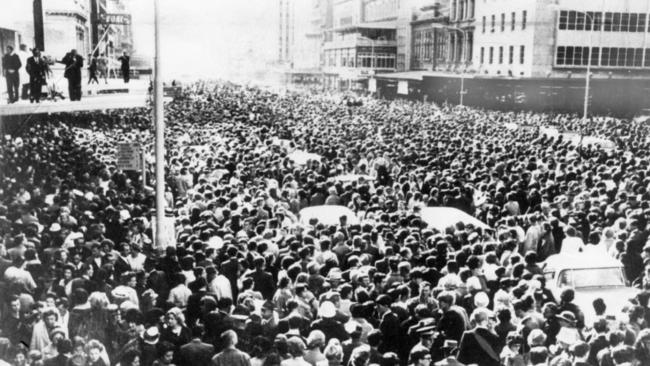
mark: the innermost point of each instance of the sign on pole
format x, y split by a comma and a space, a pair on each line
128, 157
372, 85
118, 19
403, 87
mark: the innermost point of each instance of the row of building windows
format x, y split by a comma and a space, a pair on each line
606, 56
347, 57
500, 49
608, 22
513, 22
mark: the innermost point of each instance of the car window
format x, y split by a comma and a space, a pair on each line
592, 277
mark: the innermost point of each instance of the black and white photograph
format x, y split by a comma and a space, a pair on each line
325, 183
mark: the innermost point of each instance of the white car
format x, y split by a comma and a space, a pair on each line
327, 215
440, 218
591, 275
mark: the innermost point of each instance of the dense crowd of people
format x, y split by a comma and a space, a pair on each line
244, 281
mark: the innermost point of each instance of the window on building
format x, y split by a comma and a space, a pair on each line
470, 43
491, 55
641, 23
625, 22
500, 55
607, 24
634, 18
482, 55
560, 55
638, 57
595, 20
511, 54
604, 56
646, 63
503, 22
513, 20
522, 54
564, 18
493, 23
484, 24
524, 15
595, 54
616, 22
580, 21
571, 22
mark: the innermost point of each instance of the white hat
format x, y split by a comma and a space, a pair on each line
327, 310
56, 227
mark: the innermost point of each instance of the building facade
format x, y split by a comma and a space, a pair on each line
560, 38
360, 42
67, 26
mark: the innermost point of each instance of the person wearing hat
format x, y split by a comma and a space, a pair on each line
426, 333
315, 345
389, 324
327, 324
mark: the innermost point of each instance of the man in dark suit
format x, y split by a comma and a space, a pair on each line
73, 65
196, 352
480, 345
125, 66
10, 66
263, 280
37, 70
388, 324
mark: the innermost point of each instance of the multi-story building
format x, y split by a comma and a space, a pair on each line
361, 41
553, 38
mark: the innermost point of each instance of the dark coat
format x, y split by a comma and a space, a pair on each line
470, 351
389, 325
195, 353
331, 328
73, 65
37, 70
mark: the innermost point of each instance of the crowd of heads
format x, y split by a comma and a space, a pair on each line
238, 278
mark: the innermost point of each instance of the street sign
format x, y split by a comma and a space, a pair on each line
372, 85
128, 156
403, 87
120, 19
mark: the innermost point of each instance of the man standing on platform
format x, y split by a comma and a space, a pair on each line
73, 65
125, 60
37, 69
10, 66
24, 75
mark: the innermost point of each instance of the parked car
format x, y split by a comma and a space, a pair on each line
327, 215
591, 275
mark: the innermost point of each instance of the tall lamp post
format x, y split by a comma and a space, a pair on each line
585, 107
159, 124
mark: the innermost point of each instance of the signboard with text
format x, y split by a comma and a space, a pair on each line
128, 156
403, 87
372, 85
123, 19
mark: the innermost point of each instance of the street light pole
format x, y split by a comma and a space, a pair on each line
160, 135
585, 109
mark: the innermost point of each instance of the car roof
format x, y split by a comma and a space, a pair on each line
328, 214
441, 218
560, 262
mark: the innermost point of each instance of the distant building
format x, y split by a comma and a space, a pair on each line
360, 42
550, 38
66, 27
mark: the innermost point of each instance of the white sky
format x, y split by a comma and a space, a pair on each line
203, 38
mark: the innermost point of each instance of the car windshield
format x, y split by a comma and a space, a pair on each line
592, 277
